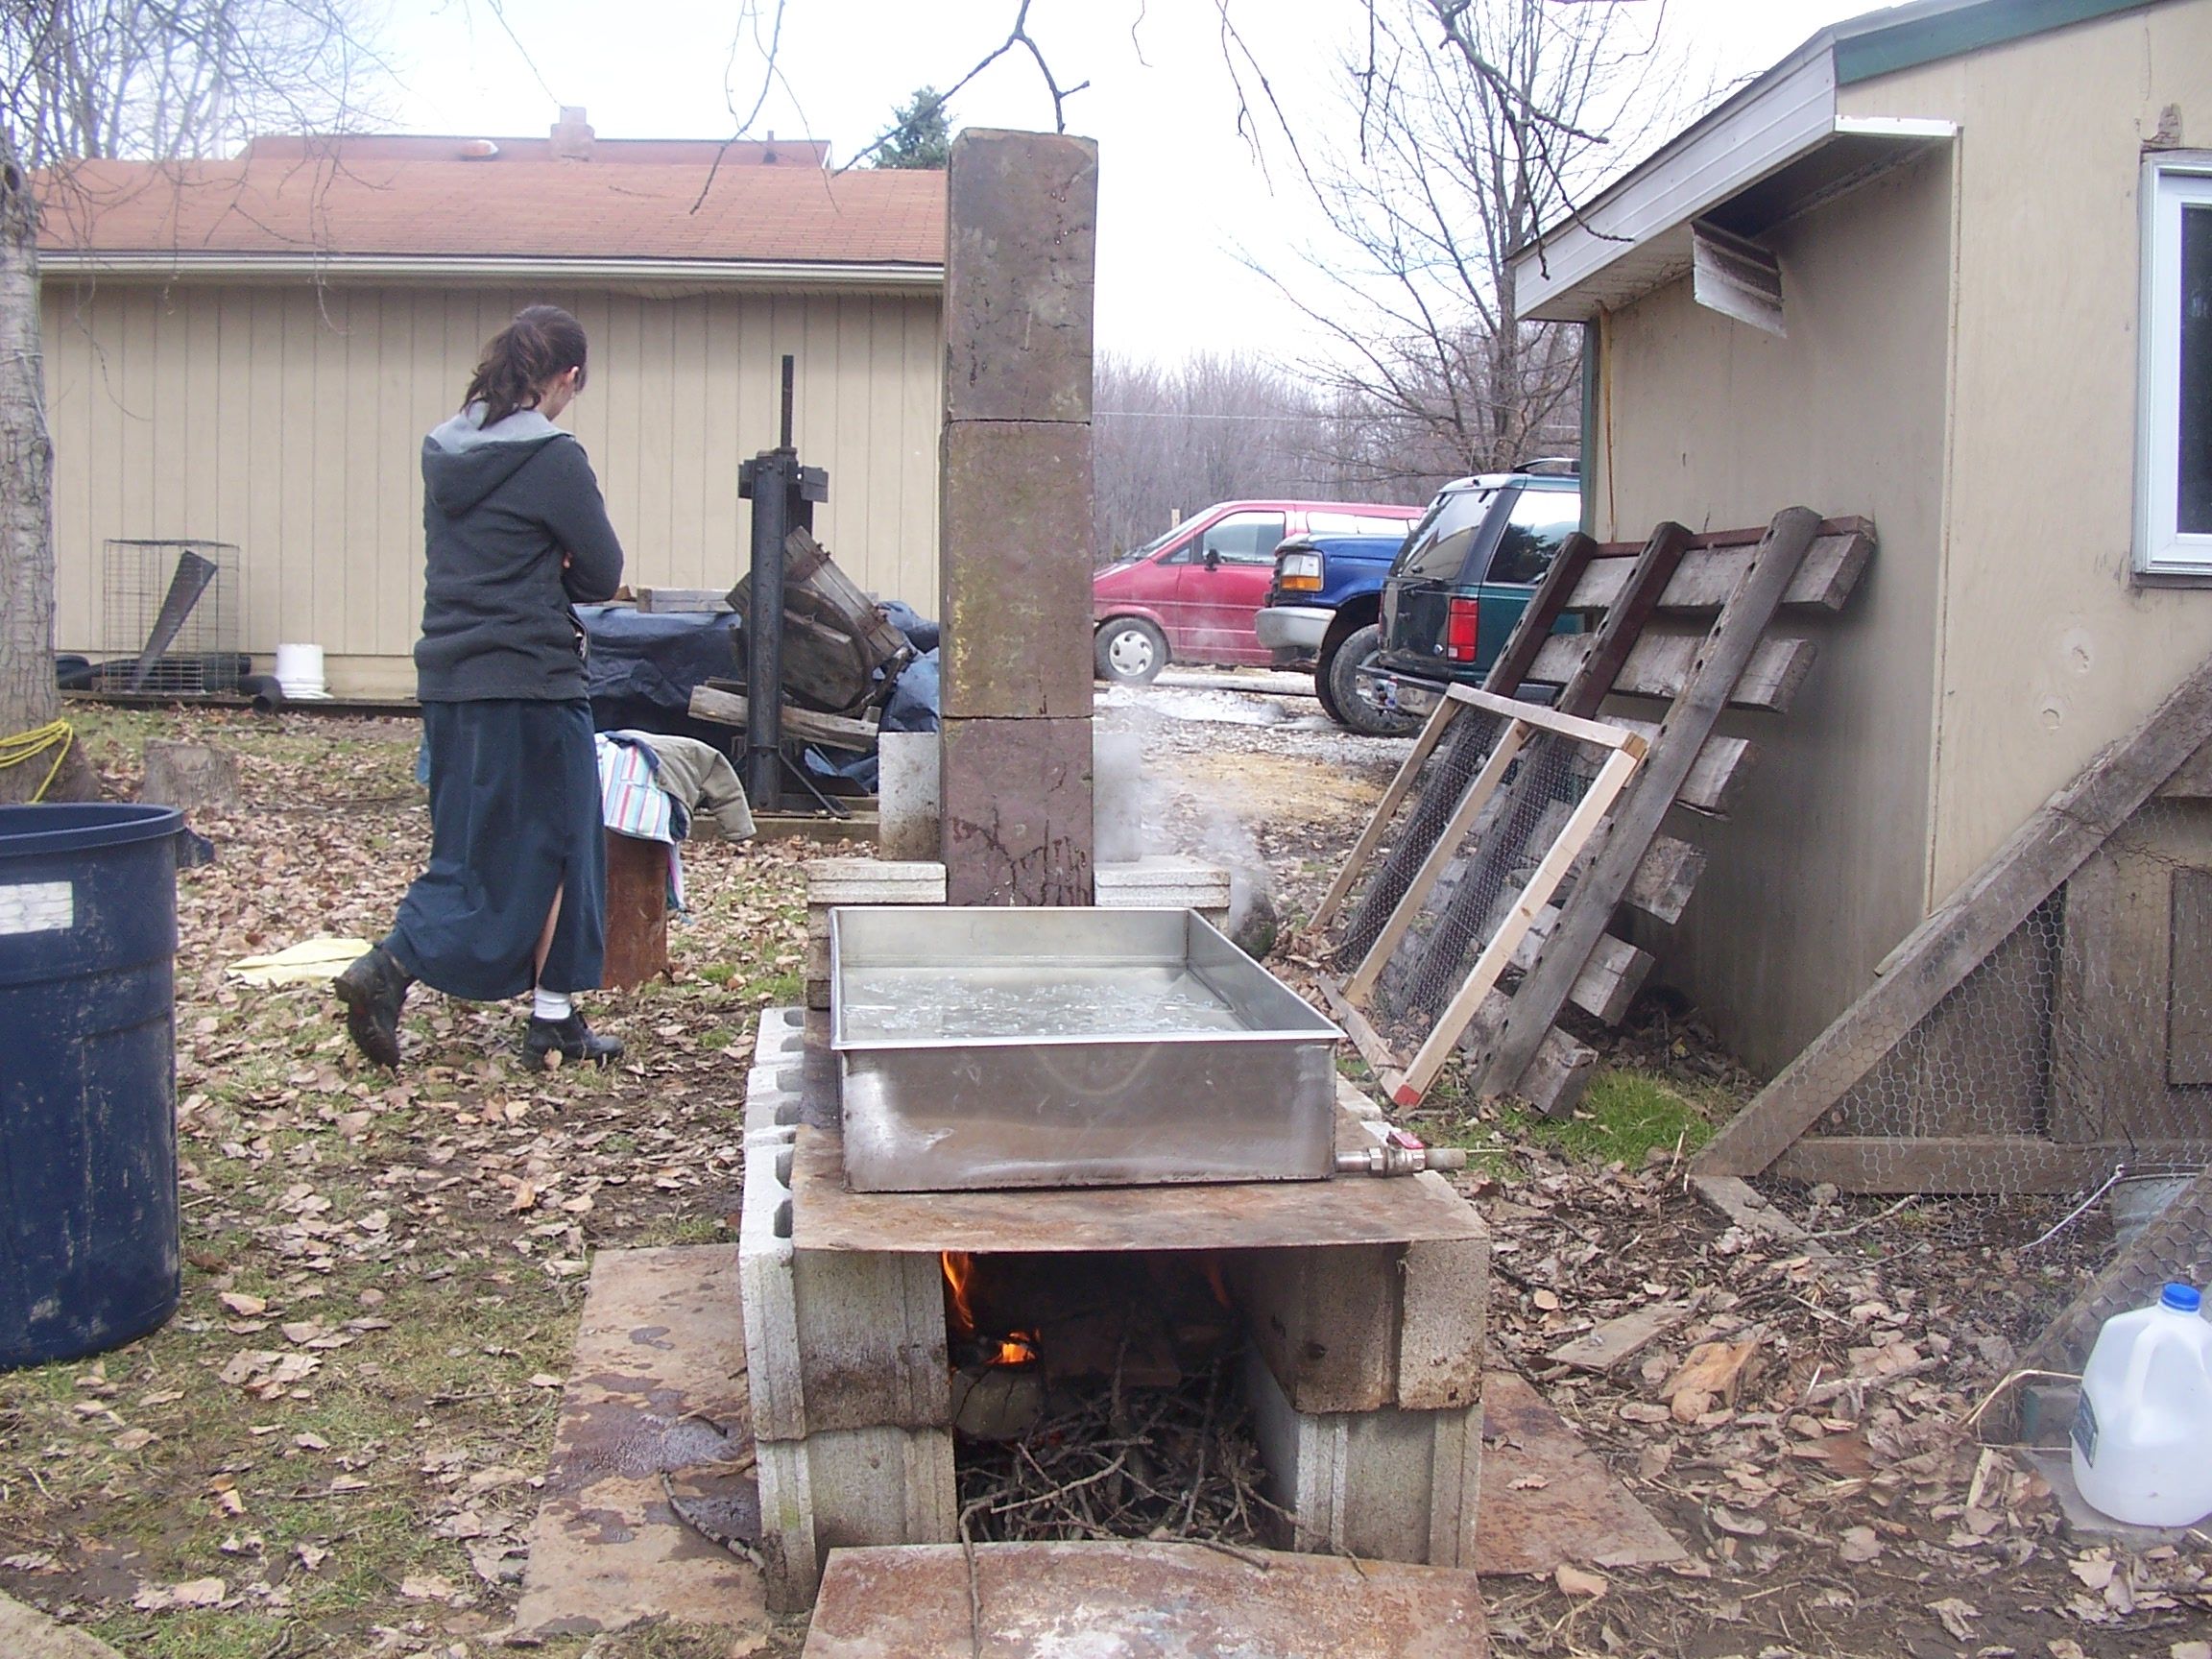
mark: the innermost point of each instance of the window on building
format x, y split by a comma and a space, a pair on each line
2174, 428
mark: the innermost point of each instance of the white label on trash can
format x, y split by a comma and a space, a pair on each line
37, 907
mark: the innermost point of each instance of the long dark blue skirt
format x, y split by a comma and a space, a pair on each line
514, 818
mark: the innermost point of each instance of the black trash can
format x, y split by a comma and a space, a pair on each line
88, 1240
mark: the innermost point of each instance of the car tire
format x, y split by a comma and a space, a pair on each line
1130, 651
1354, 708
1323, 694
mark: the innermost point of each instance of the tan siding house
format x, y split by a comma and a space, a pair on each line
1953, 194
251, 353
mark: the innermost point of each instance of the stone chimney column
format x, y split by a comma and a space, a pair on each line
1014, 547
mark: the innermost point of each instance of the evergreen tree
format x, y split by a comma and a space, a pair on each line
919, 136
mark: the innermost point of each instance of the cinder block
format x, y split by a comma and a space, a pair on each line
872, 1340
1017, 811
1392, 1484
1325, 1320
1014, 587
882, 1486
873, 882
1164, 881
848, 1488
1021, 235
906, 794
1444, 1302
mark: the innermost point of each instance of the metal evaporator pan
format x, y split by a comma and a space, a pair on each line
1070, 1048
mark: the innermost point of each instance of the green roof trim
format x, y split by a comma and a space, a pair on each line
1883, 50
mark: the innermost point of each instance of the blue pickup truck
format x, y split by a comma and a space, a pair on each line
1326, 606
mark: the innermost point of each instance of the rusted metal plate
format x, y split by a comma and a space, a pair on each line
1547, 1499
1136, 1601
657, 1389
1261, 1214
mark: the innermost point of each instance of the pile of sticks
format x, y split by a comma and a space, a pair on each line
1107, 1461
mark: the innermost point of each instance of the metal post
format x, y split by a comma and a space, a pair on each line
770, 476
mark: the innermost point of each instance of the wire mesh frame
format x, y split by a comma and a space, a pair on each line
171, 616
1517, 824
2078, 1052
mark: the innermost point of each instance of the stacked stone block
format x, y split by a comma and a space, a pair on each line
1015, 549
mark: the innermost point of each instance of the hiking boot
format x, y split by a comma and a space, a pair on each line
372, 989
575, 1041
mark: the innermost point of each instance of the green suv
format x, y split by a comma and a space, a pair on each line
1467, 571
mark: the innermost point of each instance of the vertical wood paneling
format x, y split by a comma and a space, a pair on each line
654, 373
722, 531
290, 423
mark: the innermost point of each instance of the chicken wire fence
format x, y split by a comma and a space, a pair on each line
1537, 794
2077, 1054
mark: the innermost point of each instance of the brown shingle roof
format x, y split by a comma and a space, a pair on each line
491, 209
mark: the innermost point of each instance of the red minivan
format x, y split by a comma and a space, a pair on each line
1190, 595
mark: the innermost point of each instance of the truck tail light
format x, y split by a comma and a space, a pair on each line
1299, 573
1462, 630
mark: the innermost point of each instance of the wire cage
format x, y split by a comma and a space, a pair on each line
172, 620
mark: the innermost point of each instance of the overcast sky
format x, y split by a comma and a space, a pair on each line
1181, 192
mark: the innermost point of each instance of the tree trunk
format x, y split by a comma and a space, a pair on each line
28, 699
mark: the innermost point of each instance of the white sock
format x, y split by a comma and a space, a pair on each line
547, 1004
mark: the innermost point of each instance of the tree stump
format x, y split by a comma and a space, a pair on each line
193, 775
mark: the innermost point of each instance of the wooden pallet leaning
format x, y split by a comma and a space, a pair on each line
1675, 575
1505, 1038
1624, 751
1934, 960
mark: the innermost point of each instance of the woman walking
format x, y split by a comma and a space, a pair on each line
513, 898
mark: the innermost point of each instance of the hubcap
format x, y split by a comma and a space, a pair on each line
1130, 652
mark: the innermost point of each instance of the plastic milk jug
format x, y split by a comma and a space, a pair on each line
2143, 1435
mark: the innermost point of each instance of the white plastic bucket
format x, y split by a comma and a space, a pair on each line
299, 671
2143, 1435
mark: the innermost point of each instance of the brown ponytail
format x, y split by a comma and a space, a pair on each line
541, 342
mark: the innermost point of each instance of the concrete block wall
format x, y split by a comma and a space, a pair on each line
845, 1358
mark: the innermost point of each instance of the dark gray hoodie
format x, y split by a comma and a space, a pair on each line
502, 506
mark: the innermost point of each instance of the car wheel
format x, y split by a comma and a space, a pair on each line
1354, 708
1131, 652
1322, 693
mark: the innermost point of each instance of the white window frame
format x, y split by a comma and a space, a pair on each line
2172, 180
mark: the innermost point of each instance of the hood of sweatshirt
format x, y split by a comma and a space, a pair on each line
463, 460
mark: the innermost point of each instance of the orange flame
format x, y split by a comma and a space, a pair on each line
1014, 1348
959, 1274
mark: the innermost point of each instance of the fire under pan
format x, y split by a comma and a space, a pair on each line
1070, 1048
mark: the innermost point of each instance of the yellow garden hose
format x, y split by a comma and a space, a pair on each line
25, 747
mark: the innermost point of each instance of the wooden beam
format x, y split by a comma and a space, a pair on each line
728, 708
1736, 638
2007, 1164
1665, 879
1608, 981
1710, 571
1661, 665
1601, 734
1965, 928
1716, 777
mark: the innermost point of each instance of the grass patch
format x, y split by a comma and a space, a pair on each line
1624, 1116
